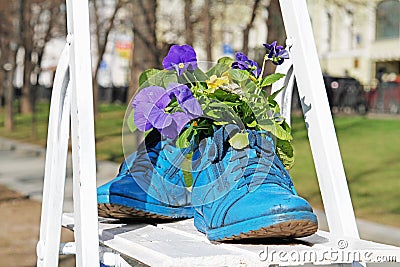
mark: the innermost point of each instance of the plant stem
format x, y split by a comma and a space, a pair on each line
262, 69
258, 90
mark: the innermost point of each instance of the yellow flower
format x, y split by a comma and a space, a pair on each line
215, 82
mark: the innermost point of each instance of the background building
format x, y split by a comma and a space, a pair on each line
358, 38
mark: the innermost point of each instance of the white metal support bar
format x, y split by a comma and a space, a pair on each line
55, 168
72, 98
83, 143
284, 99
321, 131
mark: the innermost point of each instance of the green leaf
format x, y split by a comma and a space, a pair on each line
272, 96
167, 78
276, 129
252, 124
203, 100
173, 107
220, 123
218, 70
226, 61
285, 152
281, 133
131, 122
224, 96
249, 86
183, 138
186, 168
200, 75
270, 79
273, 105
239, 140
145, 76
162, 78
238, 75
187, 178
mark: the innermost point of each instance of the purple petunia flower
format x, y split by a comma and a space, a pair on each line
244, 63
276, 53
180, 58
150, 103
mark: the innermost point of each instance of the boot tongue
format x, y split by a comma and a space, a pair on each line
221, 137
219, 145
261, 142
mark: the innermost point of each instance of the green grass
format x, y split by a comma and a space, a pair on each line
370, 150
108, 128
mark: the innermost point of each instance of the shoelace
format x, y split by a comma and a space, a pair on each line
263, 171
261, 167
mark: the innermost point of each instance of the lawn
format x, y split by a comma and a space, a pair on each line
370, 150
108, 127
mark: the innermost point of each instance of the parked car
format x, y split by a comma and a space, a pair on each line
386, 97
345, 94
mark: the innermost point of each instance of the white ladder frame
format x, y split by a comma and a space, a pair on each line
318, 118
72, 98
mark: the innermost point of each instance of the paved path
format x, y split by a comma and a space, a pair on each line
22, 167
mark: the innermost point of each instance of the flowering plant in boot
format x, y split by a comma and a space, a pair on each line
187, 104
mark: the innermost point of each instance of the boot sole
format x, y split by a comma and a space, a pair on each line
123, 212
289, 225
292, 229
127, 208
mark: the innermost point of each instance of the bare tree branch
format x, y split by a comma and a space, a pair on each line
146, 53
249, 26
102, 44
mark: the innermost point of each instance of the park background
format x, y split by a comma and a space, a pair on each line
358, 45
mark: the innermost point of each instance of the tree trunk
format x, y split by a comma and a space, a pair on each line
2, 92
9, 91
145, 52
188, 23
208, 29
95, 88
9, 39
276, 29
245, 48
249, 26
25, 17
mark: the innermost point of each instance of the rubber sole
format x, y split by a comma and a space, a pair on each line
292, 229
289, 225
123, 212
126, 208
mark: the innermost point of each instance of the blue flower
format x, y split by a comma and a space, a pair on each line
149, 109
276, 53
180, 58
244, 63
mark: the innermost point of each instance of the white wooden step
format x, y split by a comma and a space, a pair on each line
180, 244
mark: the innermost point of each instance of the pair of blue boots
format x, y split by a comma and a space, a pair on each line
235, 194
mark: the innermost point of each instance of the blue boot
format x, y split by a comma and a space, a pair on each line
150, 184
246, 193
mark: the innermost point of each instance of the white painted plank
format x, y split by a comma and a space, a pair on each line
180, 244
